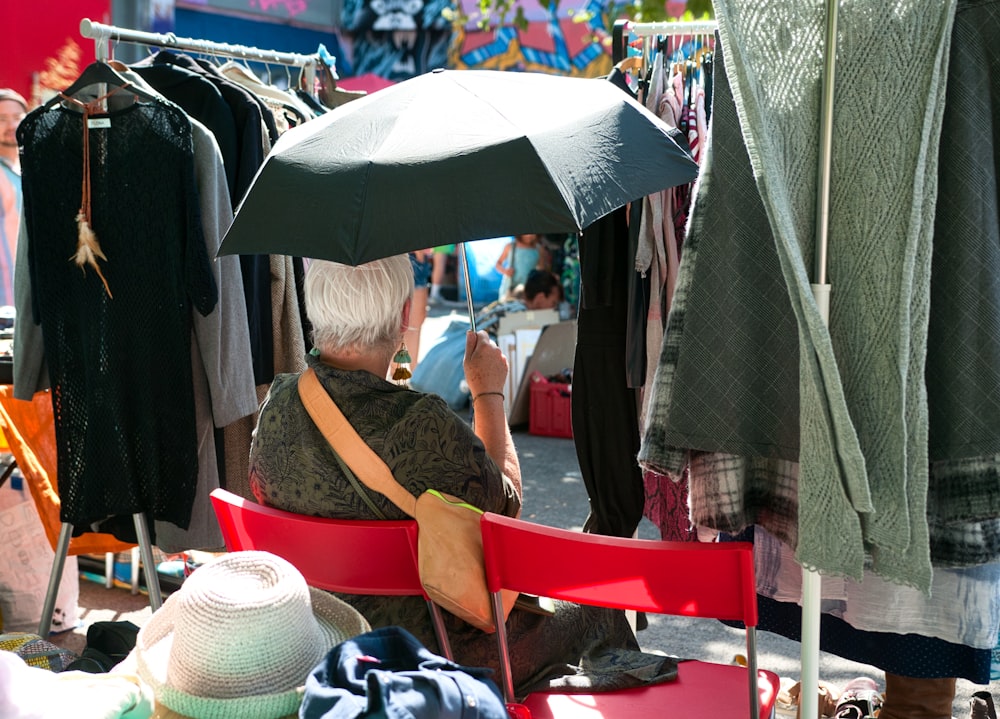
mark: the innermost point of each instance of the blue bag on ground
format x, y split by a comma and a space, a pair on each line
441, 371
389, 673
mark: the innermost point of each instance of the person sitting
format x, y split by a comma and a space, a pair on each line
541, 290
358, 316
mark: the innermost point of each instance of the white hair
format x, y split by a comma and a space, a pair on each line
358, 308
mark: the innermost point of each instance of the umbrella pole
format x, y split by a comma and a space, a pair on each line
811, 584
468, 286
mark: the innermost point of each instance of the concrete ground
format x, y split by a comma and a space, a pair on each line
555, 496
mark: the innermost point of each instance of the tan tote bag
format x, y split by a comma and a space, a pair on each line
449, 544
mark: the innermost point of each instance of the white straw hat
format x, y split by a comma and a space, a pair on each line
239, 639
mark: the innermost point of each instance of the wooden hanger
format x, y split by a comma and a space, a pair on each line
629, 64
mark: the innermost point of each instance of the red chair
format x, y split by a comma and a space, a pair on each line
377, 557
678, 578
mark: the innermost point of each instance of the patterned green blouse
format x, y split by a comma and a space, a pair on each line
423, 442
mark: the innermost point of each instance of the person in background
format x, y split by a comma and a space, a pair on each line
439, 260
524, 254
358, 316
541, 290
13, 108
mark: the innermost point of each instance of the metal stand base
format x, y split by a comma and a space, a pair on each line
62, 549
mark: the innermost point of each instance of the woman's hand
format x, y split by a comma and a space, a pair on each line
485, 365
486, 375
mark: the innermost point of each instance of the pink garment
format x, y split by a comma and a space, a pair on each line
662, 231
657, 248
702, 120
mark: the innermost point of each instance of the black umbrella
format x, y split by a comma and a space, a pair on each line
452, 156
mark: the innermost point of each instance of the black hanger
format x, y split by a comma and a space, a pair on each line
96, 73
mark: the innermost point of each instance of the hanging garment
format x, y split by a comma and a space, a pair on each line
963, 347
604, 409
666, 506
730, 317
658, 254
951, 632
221, 362
254, 129
289, 343
222, 371
863, 444
246, 112
285, 106
119, 363
203, 101
266, 116
741, 489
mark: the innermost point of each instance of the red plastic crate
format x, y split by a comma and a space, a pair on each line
549, 408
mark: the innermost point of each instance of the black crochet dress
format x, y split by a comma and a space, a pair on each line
120, 366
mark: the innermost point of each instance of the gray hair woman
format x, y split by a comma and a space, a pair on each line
358, 316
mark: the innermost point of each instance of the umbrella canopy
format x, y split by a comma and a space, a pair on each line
452, 156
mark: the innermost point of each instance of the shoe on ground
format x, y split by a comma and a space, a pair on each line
860, 699
983, 706
828, 694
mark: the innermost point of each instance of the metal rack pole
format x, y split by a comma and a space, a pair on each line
102, 34
678, 27
811, 584
59, 562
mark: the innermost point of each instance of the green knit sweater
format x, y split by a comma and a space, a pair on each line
863, 419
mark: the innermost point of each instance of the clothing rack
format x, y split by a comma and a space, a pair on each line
103, 34
647, 30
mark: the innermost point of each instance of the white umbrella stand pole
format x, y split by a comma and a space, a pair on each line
468, 286
811, 586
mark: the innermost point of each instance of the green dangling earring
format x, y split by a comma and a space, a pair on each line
401, 372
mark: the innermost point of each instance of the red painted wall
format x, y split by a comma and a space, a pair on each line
43, 39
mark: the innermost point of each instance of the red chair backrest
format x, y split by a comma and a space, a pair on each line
679, 578
340, 555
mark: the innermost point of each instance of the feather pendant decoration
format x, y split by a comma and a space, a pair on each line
88, 249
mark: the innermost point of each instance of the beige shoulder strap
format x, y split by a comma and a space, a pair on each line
346, 442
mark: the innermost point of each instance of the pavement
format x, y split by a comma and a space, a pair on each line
554, 495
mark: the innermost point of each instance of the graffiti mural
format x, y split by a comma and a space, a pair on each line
397, 39
554, 42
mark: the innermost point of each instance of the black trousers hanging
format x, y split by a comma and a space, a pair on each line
604, 409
